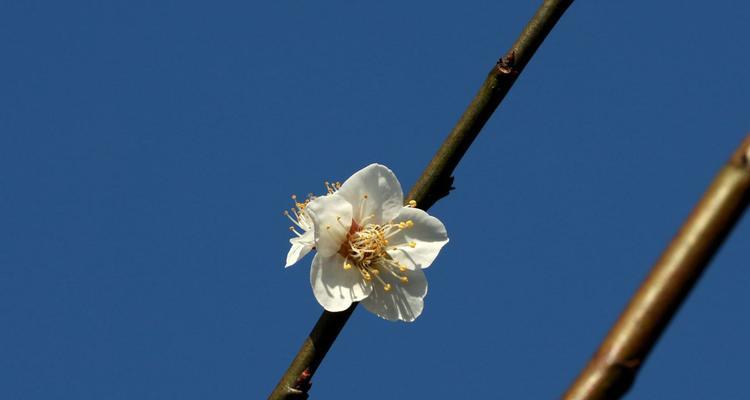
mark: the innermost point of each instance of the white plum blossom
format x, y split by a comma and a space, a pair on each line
370, 247
305, 241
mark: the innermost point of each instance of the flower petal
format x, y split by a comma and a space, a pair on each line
428, 234
332, 217
403, 302
334, 287
300, 247
384, 195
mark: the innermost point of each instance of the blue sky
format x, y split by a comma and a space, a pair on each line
148, 149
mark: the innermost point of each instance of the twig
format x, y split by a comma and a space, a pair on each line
612, 370
435, 182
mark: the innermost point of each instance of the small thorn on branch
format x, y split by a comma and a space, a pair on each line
442, 188
506, 64
446, 185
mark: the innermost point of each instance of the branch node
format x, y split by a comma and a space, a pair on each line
303, 382
741, 157
506, 65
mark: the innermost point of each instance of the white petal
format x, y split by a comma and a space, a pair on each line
300, 247
332, 217
428, 233
334, 287
384, 195
404, 301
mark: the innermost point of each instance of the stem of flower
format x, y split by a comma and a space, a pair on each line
612, 370
435, 182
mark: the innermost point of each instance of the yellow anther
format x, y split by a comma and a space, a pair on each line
366, 275
347, 266
412, 244
332, 187
387, 287
402, 267
406, 224
376, 272
404, 280
412, 203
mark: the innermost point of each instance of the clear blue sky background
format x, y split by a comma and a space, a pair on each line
147, 150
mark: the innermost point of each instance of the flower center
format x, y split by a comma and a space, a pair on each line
366, 247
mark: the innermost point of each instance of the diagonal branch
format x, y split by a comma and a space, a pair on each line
434, 183
612, 370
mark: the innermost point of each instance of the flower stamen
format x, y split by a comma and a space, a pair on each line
365, 274
298, 214
331, 188
366, 248
362, 206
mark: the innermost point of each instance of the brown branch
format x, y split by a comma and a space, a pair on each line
434, 183
612, 370
436, 179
